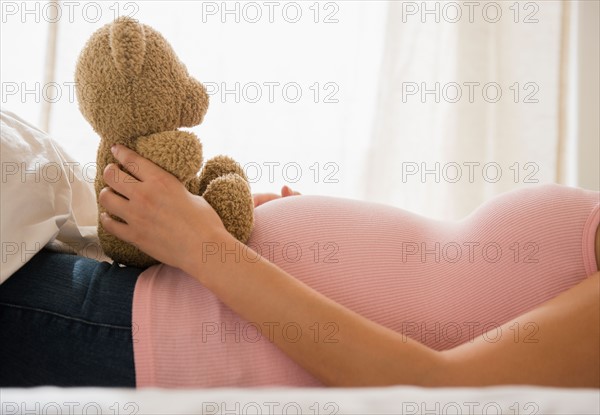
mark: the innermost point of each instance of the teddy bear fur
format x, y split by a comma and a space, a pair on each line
133, 90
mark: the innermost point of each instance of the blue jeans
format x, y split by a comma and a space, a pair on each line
65, 320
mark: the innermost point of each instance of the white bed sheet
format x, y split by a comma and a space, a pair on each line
404, 400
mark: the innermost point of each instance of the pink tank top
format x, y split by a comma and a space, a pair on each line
440, 283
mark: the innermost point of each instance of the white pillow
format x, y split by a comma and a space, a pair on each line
45, 197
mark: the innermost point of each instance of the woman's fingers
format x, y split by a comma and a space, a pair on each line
114, 203
136, 170
286, 191
114, 227
137, 166
119, 180
262, 198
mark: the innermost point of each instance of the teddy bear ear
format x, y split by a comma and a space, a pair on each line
128, 45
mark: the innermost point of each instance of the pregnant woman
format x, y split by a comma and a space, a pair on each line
326, 292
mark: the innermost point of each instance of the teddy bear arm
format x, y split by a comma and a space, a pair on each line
178, 152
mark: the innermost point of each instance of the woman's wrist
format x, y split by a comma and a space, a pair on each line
211, 253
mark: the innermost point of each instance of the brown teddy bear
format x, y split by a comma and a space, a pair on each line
133, 90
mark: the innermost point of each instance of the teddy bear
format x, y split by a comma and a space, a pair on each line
133, 90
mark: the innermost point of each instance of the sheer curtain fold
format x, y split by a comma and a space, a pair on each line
587, 97
50, 62
466, 150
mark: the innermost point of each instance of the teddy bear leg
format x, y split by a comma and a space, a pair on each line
216, 167
230, 197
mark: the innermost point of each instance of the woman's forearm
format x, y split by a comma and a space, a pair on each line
359, 353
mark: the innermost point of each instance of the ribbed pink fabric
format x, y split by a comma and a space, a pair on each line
441, 283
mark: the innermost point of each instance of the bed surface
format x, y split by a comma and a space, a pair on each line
513, 400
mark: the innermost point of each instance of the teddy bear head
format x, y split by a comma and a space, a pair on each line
130, 83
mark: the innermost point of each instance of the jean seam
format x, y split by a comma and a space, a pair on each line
80, 320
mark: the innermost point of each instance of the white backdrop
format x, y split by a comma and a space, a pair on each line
364, 125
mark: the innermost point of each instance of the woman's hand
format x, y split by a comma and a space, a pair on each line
161, 217
262, 198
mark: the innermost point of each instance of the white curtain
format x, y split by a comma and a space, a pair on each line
366, 124
442, 155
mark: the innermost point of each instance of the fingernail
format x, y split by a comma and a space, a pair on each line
104, 216
114, 149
